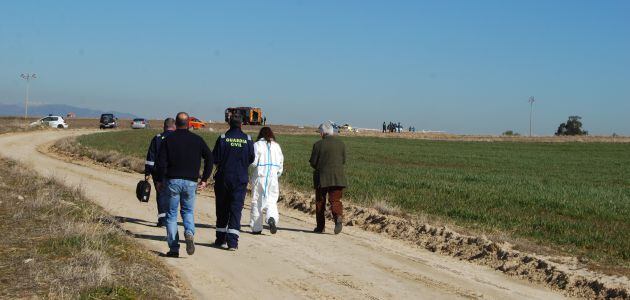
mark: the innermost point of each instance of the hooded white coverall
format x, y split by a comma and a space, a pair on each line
265, 189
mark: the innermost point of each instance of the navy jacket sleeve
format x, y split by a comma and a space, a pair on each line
149, 164
162, 161
208, 161
216, 152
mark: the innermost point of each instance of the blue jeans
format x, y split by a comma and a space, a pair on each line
180, 191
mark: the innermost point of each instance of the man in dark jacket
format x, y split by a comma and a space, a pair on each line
233, 153
150, 169
328, 159
178, 167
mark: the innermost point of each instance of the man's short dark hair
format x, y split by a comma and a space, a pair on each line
236, 120
181, 121
168, 123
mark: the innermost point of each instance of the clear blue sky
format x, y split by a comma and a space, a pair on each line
458, 66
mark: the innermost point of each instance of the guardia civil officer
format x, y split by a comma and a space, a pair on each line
233, 153
150, 169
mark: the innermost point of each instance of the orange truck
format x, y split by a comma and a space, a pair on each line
251, 115
195, 123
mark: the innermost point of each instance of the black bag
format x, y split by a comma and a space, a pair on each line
143, 191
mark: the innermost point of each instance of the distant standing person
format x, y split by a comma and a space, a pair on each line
178, 164
151, 170
384, 127
233, 153
328, 159
268, 166
264, 120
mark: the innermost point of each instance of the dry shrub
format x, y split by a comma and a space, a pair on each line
387, 208
60, 245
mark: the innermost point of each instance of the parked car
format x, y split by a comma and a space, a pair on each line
195, 123
108, 121
51, 121
139, 123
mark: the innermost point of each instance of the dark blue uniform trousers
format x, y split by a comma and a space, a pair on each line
162, 203
229, 205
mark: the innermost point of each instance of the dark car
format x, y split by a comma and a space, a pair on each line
108, 121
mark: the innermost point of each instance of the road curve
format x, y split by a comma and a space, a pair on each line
292, 264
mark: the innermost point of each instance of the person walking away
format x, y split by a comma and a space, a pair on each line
150, 169
328, 159
233, 153
384, 127
178, 164
268, 166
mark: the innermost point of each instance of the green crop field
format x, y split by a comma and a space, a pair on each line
575, 196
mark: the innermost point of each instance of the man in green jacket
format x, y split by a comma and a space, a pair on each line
328, 159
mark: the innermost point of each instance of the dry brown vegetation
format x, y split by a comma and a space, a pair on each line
13, 124
57, 244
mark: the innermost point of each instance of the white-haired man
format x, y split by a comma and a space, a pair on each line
328, 159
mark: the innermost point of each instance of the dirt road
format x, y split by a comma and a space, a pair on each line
291, 264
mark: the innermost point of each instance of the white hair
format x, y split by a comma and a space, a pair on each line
326, 129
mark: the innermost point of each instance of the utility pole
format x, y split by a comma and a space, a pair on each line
531, 113
28, 77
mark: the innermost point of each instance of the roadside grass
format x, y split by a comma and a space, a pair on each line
573, 197
59, 245
14, 124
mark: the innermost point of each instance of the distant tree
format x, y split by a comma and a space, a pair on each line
573, 126
510, 133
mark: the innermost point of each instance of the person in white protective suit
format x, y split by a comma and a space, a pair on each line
265, 189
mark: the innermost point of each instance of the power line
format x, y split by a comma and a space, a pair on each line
531, 113
28, 77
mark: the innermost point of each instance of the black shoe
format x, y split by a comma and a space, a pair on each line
161, 222
272, 226
172, 254
338, 226
190, 244
318, 230
256, 232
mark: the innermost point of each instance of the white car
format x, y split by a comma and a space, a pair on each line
51, 121
140, 123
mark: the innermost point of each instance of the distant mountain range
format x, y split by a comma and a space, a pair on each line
57, 109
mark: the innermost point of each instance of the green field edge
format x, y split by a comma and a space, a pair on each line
542, 236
